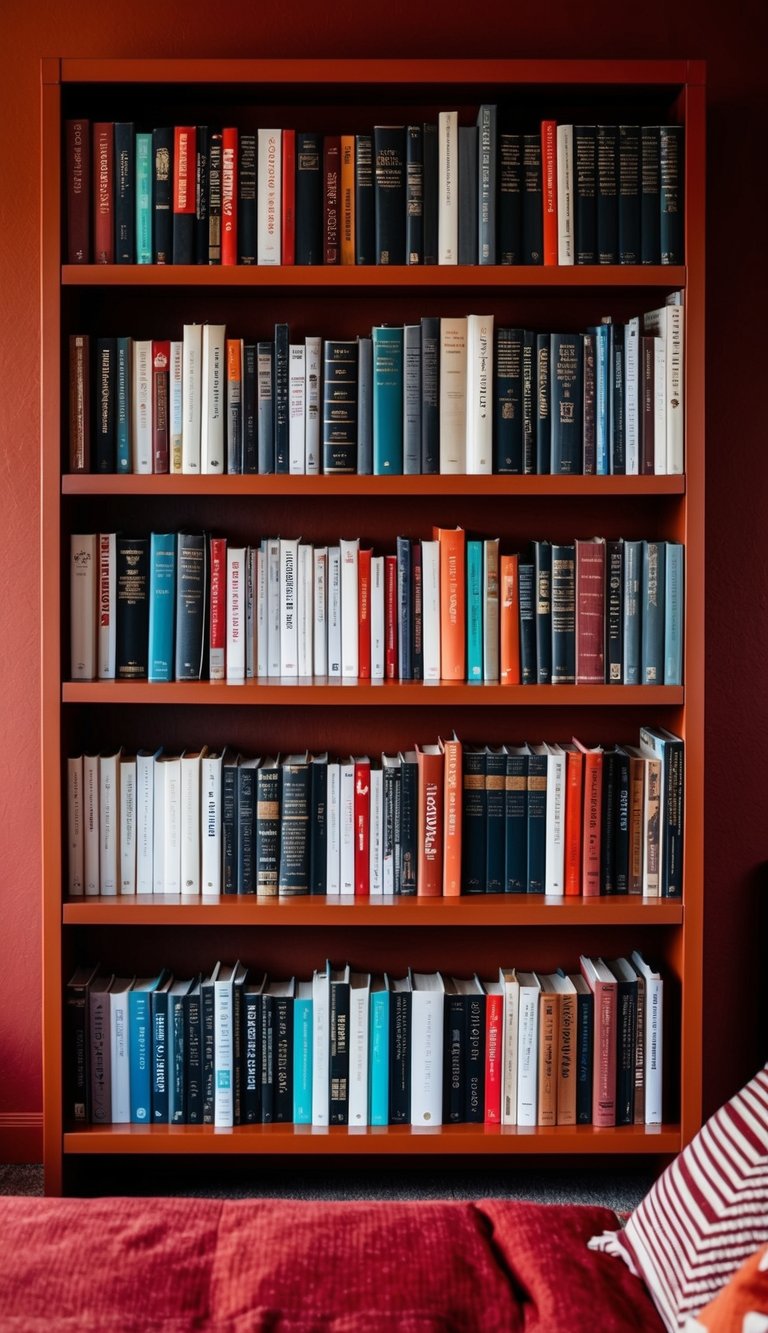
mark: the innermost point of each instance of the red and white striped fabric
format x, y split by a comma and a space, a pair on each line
706, 1214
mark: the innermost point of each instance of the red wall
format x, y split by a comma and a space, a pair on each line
733, 41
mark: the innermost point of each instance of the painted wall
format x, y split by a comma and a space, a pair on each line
734, 43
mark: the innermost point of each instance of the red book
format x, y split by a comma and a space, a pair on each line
593, 802
602, 983
103, 192
364, 614
161, 368
288, 185
494, 1020
78, 170
549, 188
184, 193
429, 827
218, 617
390, 617
574, 817
229, 197
590, 611
509, 627
331, 193
362, 815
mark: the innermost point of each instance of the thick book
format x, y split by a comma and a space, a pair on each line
653, 581
542, 574
162, 606
543, 396
389, 168
79, 402
671, 179
144, 199
388, 401
468, 177
399, 1050
160, 1076
662, 745
77, 1046
452, 542
528, 1048
626, 1024
533, 220
340, 383
650, 194
302, 1054
125, 192
203, 163
331, 181
268, 196
566, 379
607, 137
474, 820
288, 202
106, 385
162, 195
549, 1038
590, 612
427, 1014
140, 1045
100, 1030
509, 620
454, 1054
229, 164
585, 193
516, 819
429, 825
365, 223
487, 195
412, 399
479, 390
474, 1011
628, 190
509, 211
614, 612
653, 1038
293, 872
602, 983
103, 192
563, 614
184, 201
414, 195
431, 193
309, 198
338, 1046
448, 187
584, 1048
495, 818
132, 607
453, 394
508, 402
280, 394
549, 190
247, 157
78, 187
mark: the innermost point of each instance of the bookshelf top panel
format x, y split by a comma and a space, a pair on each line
287, 693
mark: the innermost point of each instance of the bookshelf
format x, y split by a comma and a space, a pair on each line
293, 936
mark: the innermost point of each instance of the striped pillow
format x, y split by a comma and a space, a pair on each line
706, 1214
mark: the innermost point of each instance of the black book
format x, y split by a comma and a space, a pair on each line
431, 193
399, 1050
309, 198
495, 818
474, 820
365, 225
201, 194
671, 176
159, 1018
468, 149
193, 1047
162, 195
404, 610
454, 1055
542, 577
607, 194
414, 196
106, 403
614, 603
509, 215
430, 394
238, 987
508, 402
533, 218
338, 1060
417, 612
280, 399
265, 406
585, 1006
626, 1026
177, 1053
267, 1059
516, 820
537, 817
251, 1052
409, 823
339, 406
474, 1090
670, 749
132, 561
650, 194
77, 1046
543, 419
229, 765
527, 623
389, 153
629, 194
584, 193
191, 605
487, 171
619, 442
249, 409
293, 874
563, 615
267, 827
246, 199
282, 993
607, 826
125, 193
566, 378
214, 199
621, 821
208, 1043
246, 825
390, 765
589, 401
318, 828
529, 402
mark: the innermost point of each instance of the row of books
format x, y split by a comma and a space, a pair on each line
438, 820
448, 395
439, 193
180, 606
352, 1048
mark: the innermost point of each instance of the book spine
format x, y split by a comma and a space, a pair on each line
247, 223
309, 199
365, 406
193, 1068
414, 196
162, 195
452, 605
283, 1059
159, 1010
400, 1061
431, 189
124, 203
313, 357
542, 573
508, 407
510, 200
201, 193
574, 821
554, 884
673, 614
215, 163
223, 1045
132, 616
584, 1058
106, 377
101, 1083
607, 194
293, 872
302, 1061
533, 213
140, 1047
229, 154
526, 585
144, 248
629, 194
347, 247
565, 192
208, 1040
608, 826
103, 192
235, 614
591, 843
378, 1082
281, 405
288, 200
296, 409
549, 190
448, 188
584, 191
529, 402
365, 224
563, 615
474, 820
430, 395
78, 186
268, 203
388, 401
332, 187
474, 1091
340, 407
184, 193
547, 1072
543, 397
671, 177
614, 670
412, 399
468, 148
338, 1055
537, 822
495, 820
409, 811
566, 403
488, 152
79, 403
318, 837
652, 633
249, 409
161, 416
265, 372
107, 609
620, 816
479, 425
589, 410
590, 613
364, 615
516, 824
493, 1058
650, 194
362, 808
626, 1024
175, 408
427, 1008
162, 605
268, 831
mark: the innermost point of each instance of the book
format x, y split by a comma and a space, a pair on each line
414, 195
140, 1046
268, 196
132, 561
626, 1023
229, 195
508, 402
671, 183
78, 187
628, 190
378, 1062
330, 195
653, 1038
479, 394
528, 1048
162, 606
426, 1075
509, 215
104, 435
566, 380
549, 1042
387, 401
359, 1047
607, 194
389, 173
125, 189
309, 198
365, 224
452, 543
412, 399
431, 193
82, 605
162, 195
79, 403
590, 612
184, 194
338, 1045
584, 1049
453, 394
399, 1049
488, 155
474, 820
549, 190
340, 406
602, 983
565, 195
584, 194
103, 192
431, 791
448, 188
468, 205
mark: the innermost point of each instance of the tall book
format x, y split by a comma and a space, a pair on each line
602, 983
389, 166
448, 188
340, 406
387, 401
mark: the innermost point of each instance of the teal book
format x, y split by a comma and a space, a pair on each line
143, 198
673, 615
602, 384
387, 402
162, 605
474, 611
140, 1046
123, 413
302, 1054
652, 595
378, 1071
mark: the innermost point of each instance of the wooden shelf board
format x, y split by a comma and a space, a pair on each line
367, 694
366, 277
380, 1141
94, 483
483, 910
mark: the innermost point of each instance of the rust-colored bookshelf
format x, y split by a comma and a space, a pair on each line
473, 933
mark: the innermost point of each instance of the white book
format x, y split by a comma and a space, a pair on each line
236, 609
448, 187
296, 409
83, 558
359, 1026
192, 355
262, 622
668, 323
141, 407
223, 1046
554, 883
145, 819
427, 1006
654, 1031
213, 375
528, 1049
453, 395
250, 612
128, 823
306, 611
320, 610
378, 631
289, 619
313, 380
191, 772
172, 825
659, 407
119, 1061
333, 832
430, 602
158, 825
479, 392
273, 606
347, 828
107, 606
376, 833
334, 612
491, 609
321, 1006
176, 407
510, 1023
350, 551
268, 196
565, 204
75, 837
91, 825
632, 395
210, 824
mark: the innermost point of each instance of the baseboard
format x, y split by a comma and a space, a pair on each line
21, 1136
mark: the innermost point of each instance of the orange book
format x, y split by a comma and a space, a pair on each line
593, 800
452, 818
364, 614
549, 1016
347, 198
510, 622
431, 762
574, 817
549, 188
453, 640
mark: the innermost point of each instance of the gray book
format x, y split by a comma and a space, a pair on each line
364, 407
265, 406
487, 153
412, 400
468, 187
100, 1065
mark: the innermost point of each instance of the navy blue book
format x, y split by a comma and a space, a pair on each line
177, 1052
399, 1050
265, 406
106, 403
527, 623
543, 412
293, 871
249, 409
533, 217
430, 206
509, 217
318, 815
162, 195
671, 176
208, 1042
585, 194
430, 394
566, 378
229, 823
280, 399
495, 819
404, 610
516, 819
389, 193
542, 576
409, 823
650, 194
607, 194
309, 198
614, 606
201, 194
621, 821
585, 1007
652, 589
508, 402
563, 615
268, 793
529, 402
340, 375
537, 817
159, 1011
125, 193
474, 819
365, 227
454, 1055
246, 199
629, 194
132, 607
193, 1047
267, 1062
414, 196
468, 171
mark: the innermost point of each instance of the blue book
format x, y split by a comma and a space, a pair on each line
673, 615
125, 209
302, 1054
378, 1067
387, 402
143, 198
162, 605
633, 561
123, 404
140, 1047
474, 610
159, 1011
602, 381
652, 598
177, 1052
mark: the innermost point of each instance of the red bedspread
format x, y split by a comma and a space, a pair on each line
277, 1266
